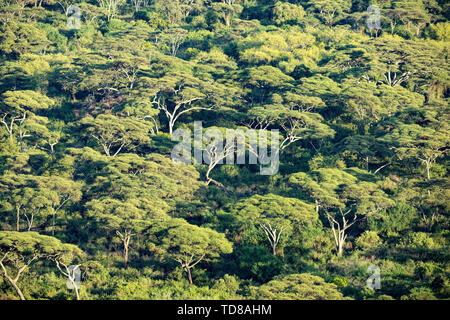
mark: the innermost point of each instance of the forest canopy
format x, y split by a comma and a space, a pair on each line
94, 95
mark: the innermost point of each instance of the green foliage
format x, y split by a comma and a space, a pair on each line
87, 118
297, 287
368, 240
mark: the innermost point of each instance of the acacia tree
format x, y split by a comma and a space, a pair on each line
64, 260
177, 10
344, 198
173, 39
36, 196
415, 142
275, 215
124, 219
186, 244
22, 195
177, 94
367, 149
330, 10
431, 205
303, 126
227, 9
217, 150
17, 113
141, 109
18, 250
114, 134
302, 286
59, 191
111, 7
295, 125
131, 190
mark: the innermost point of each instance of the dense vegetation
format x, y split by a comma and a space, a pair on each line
86, 176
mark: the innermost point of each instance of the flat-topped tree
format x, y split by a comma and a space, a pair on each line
22, 37
430, 198
138, 106
22, 195
186, 244
417, 143
29, 71
18, 250
176, 11
410, 13
114, 134
412, 64
129, 191
173, 39
365, 104
180, 91
307, 126
111, 7
227, 9
346, 197
123, 219
361, 105
64, 262
17, 111
291, 113
154, 180
275, 215
285, 12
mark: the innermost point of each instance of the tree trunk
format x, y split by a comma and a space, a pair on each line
17, 218
188, 270
340, 248
14, 284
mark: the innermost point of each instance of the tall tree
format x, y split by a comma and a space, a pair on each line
275, 215
18, 251
186, 244
345, 198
